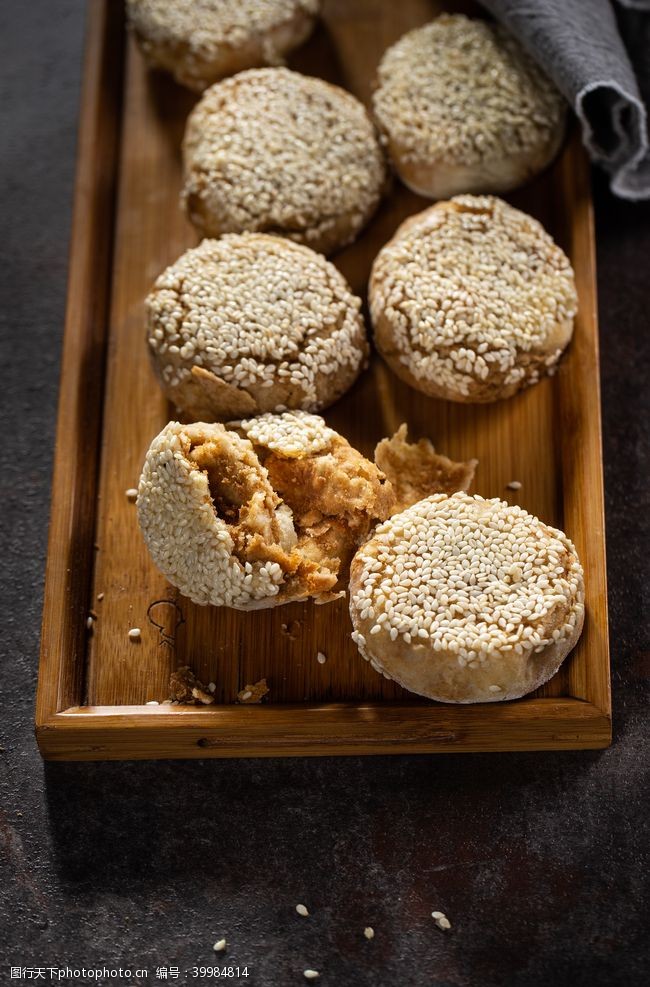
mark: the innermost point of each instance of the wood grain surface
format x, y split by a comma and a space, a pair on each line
548, 438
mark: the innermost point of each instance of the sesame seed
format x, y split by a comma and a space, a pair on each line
135, 634
100, 597
514, 485
220, 945
369, 932
311, 974
302, 910
441, 920
89, 623
246, 695
153, 702
212, 686
321, 658
131, 494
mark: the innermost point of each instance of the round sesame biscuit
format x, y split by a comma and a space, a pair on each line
272, 150
267, 512
202, 41
472, 300
463, 108
466, 600
251, 323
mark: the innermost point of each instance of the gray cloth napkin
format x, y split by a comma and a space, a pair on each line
600, 59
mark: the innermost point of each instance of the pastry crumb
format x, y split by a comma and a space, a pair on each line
253, 693
292, 629
441, 920
416, 470
185, 688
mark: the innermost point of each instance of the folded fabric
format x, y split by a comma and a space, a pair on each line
600, 60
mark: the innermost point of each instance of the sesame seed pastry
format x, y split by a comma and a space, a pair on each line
256, 521
466, 600
272, 150
201, 41
472, 300
266, 511
250, 323
463, 108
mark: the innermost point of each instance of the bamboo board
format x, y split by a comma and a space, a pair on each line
94, 685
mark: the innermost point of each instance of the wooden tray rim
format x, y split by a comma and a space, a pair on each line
67, 730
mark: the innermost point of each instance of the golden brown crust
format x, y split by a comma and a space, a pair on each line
416, 470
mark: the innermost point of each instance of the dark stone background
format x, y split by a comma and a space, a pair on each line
540, 860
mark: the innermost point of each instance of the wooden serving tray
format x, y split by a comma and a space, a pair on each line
94, 685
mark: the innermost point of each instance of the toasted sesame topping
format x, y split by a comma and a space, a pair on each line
271, 149
131, 494
514, 485
220, 945
441, 920
472, 577
292, 434
369, 932
202, 42
135, 634
262, 314
472, 299
302, 910
463, 92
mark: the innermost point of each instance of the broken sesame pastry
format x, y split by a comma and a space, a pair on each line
200, 41
472, 300
463, 108
249, 323
257, 519
276, 151
416, 470
466, 600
